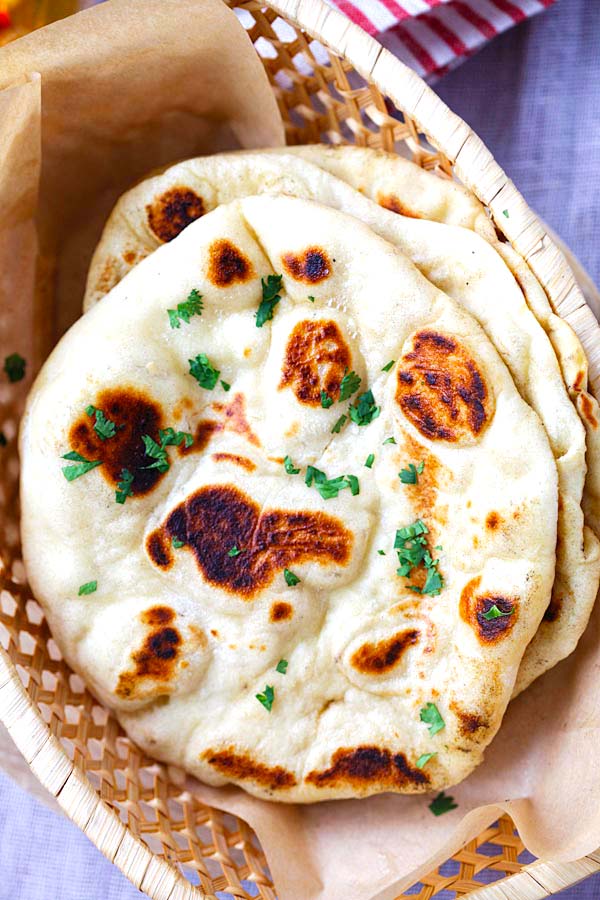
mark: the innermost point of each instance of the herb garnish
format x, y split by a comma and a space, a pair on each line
289, 466
124, 486
290, 578
267, 697
158, 452
495, 613
369, 460
424, 759
505, 213
103, 426
205, 374
176, 544
193, 306
225, 385
339, 424
443, 803
311, 298
83, 465
390, 440
326, 400
349, 385
329, 488
430, 714
88, 588
388, 366
235, 551
381, 552
411, 474
411, 546
365, 410
270, 298
14, 366
281, 667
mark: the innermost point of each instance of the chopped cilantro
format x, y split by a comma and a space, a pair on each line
381, 552
193, 306
158, 452
267, 697
205, 374
14, 366
353, 485
290, 578
330, 487
430, 714
289, 466
3, 440
234, 551
124, 486
390, 440
505, 213
225, 385
433, 583
281, 667
270, 298
176, 544
424, 759
495, 613
369, 460
312, 299
441, 804
349, 385
411, 547
88, 588
103, 426
83, 465
388, 366
411, 474
339, 424
365, 410
326, 400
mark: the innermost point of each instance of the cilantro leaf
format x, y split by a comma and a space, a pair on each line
267, 697
225, 385
103, 426
388, 366
14, 366
366, 410
411, 474
193, 306
83, 465
339, 424
411, 546
312, 299
88, 588
353, 485
505, 213
441, 804
124, 486
235, 551
203, 371
290, 578
270, 298
390, 440
171, 438
424, 759
430, 714
326, 400
157, 453
176, 543
369, 460
349, 385
381, 552
281, 667
329, 488
495, 613
289, 466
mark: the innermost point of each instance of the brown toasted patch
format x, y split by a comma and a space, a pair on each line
469, 723
394, 204
204, 432
198, 636
156, 658
241, 767
232, 418
587, 408
316, 357
493, 521
133, 256
182, 406
473, 607
310, 266
378, 658
242, 461
159, 549
173, 211
554, 608
215, 518
135, 414
109, 276
579, 380
365, 766
424, 494
441, 390
280, 611
227, 264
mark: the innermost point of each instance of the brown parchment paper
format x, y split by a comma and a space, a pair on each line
89, 105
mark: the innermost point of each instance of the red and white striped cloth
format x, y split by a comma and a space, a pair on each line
433, 36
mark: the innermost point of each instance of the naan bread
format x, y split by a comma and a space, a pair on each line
183, 631
454, 259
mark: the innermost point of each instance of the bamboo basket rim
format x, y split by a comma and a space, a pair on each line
476, 168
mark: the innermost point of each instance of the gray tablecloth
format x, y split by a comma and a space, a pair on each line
534, 97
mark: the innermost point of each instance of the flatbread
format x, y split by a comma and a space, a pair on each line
192, 613
453, 258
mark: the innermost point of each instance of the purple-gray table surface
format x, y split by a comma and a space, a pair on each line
533, 95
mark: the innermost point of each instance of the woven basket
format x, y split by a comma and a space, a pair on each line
164, 840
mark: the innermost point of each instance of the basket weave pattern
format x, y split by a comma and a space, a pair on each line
121, 799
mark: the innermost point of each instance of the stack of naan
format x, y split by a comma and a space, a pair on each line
313, 487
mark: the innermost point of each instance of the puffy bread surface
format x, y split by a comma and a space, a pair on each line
182, 634
455, 259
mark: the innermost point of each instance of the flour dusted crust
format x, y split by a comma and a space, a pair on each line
180, 635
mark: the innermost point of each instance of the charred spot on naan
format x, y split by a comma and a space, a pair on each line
441, 390
311, 266
158, 548
368, 765
135, 414
240, 766
394, 204
157, 657
586, 405
281, 611
232, 418
227, 264
473, 608
217, 518
378, 658
110, 275
173, 211
468, 723
241, 461
316, 358
493, 521
554, 608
